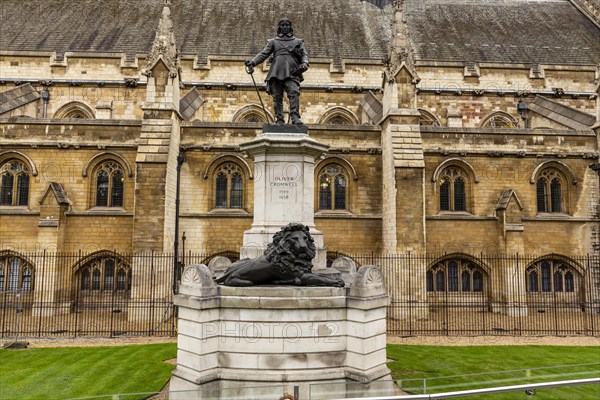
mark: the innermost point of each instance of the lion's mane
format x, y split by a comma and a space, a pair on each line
278, 252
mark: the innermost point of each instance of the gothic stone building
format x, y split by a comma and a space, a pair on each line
454, 127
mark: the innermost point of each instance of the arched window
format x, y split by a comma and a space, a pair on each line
333, 188
455, 275
14, 185
338, 116
15, 273
453, 189
104, 272
109, 185
499, 120
549, 191
254, 117
251, 113
76, 110
229, 186
428, 119
551, 276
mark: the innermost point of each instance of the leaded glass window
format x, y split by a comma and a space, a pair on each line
445, 195
236, 190
15, 273
229, 186
462, 276
107, 273
221, 190
453, 190
85, 279
14, 184
333, 188
556, 276
109, 185
499, 120
555, 197
549, 194
26, 279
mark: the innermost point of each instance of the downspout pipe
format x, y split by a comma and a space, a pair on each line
45, 99
180, 161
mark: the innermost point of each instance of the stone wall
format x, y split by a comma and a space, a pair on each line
67, 154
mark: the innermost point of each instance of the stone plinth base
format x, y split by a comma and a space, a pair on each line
324, 390
284, 170
279, 334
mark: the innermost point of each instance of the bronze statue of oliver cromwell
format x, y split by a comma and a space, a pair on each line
289, 61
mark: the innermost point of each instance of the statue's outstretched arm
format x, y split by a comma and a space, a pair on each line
263, 55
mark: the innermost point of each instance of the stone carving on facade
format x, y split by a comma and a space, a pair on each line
401, 51
131, 82
286, 261
164, 47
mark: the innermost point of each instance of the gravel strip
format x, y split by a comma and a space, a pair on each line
496, 340
85, 342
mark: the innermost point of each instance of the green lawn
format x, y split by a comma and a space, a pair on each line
69, 372
60, 373
444, 365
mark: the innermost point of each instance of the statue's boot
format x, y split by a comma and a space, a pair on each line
278, 106
295, 110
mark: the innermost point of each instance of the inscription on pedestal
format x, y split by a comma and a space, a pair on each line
284, 181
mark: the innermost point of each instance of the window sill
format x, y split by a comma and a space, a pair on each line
551, 216
17, 210
458, 215
456, 294
228, 212
334, 213
107, 209
120, 211
551, 294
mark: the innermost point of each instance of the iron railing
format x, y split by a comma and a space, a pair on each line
107, 294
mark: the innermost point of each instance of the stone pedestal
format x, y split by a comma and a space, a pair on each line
235, 338
284, 170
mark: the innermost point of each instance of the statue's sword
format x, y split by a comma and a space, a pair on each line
250, 71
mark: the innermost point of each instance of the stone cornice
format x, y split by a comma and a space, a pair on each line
206, 147
509, 153
505, 131
67, 145
70, 121
496, 65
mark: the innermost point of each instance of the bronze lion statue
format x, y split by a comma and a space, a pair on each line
286, 261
